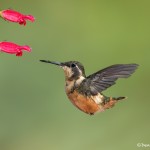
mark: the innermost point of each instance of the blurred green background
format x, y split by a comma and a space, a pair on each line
35, 113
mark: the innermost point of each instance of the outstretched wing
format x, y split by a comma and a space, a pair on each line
105, 78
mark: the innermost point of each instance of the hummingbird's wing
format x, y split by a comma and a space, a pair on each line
105, 78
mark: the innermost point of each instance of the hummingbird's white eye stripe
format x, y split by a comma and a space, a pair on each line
79, 70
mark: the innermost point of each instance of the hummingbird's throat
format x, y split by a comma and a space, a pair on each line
68, 72
72, 74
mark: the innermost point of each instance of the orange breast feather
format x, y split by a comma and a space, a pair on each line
85, 104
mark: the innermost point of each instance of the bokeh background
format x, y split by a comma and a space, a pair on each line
35, 113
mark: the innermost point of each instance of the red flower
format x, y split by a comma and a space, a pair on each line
12, 48
15, 16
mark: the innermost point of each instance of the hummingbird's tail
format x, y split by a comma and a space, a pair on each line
109, 102
118, 98
107, 99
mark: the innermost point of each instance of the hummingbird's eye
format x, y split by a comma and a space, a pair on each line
73, 65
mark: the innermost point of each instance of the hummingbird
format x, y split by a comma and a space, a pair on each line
86, 92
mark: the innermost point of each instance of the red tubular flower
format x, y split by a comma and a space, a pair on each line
15, 16
12, 48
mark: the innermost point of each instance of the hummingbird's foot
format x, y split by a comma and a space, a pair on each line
91, 113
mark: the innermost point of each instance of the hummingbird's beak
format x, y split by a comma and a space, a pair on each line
52, 62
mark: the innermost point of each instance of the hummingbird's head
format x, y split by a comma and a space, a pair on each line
72, 69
